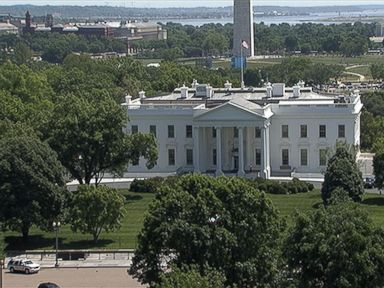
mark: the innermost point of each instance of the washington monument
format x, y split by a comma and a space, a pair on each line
243, 27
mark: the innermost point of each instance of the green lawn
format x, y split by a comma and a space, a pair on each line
137, 205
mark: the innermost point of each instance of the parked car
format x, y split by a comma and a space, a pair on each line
48, 285
23, 265
369, 182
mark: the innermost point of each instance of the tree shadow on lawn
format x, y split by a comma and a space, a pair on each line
132, 198
87, 244
34, 242
377, 201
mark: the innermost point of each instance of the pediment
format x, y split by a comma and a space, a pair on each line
230, 112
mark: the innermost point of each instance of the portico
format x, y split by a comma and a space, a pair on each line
237, 133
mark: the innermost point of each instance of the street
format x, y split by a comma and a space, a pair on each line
73, 278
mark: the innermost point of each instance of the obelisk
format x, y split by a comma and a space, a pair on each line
243, 28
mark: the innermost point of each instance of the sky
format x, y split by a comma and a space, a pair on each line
188, 3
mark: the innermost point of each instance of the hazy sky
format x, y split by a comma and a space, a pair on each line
187, 3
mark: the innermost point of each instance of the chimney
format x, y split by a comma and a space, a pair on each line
142, 95
296, 91
269, 90
128, 99
194, 84
184, 92
227, 85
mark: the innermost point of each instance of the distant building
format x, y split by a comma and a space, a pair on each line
8, 28
379, 30
126, 30
243, 28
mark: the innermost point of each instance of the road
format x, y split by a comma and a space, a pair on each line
73, 278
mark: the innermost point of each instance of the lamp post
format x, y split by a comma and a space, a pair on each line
56, 226
1, 272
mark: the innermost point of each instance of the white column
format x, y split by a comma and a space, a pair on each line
218, 152
241, 171
268, 154
196, 149
264, 157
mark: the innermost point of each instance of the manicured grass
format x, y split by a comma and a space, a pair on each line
137, 206
288, 204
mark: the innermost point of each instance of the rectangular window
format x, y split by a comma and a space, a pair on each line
303, 157
171, 157
189, 155
303, 131
171, 131
284, 131
214, 157
257, 132
258, 157
135, 129
341, 131
152, 130
213, 132
323, 157
235, 132
323, 131
285, 157
188, 131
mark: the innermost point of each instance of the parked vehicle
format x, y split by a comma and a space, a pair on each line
23, 265
369, 182
48, 285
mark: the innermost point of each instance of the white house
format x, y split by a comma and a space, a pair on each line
270, 131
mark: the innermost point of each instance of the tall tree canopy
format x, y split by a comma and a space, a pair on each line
88, 136
343, 172
335, 247
224, 223
31, 183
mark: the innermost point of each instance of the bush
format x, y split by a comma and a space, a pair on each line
274, 187
149, 185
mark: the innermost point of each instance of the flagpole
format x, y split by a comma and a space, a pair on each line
242, 66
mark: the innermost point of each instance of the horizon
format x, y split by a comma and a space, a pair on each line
189, 4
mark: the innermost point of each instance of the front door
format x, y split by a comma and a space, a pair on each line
236, 163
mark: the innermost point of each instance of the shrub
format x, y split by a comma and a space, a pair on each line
149, 185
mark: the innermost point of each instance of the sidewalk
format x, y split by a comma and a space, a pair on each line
86, 264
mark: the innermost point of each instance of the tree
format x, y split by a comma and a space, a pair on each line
337, 246
192, 278
22, 53
31, 183
343, 172
96, 209
221, 222
88, 136
378, 169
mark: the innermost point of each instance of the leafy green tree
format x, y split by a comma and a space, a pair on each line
343, 172
378, 169
221, 222
337, 246
22, 53
88, 136
192, 278
31, 183
96, 209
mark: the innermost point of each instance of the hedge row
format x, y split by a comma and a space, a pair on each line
269, 186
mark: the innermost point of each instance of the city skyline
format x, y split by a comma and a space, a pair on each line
196, 3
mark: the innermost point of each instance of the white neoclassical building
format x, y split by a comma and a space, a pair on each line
270, 131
